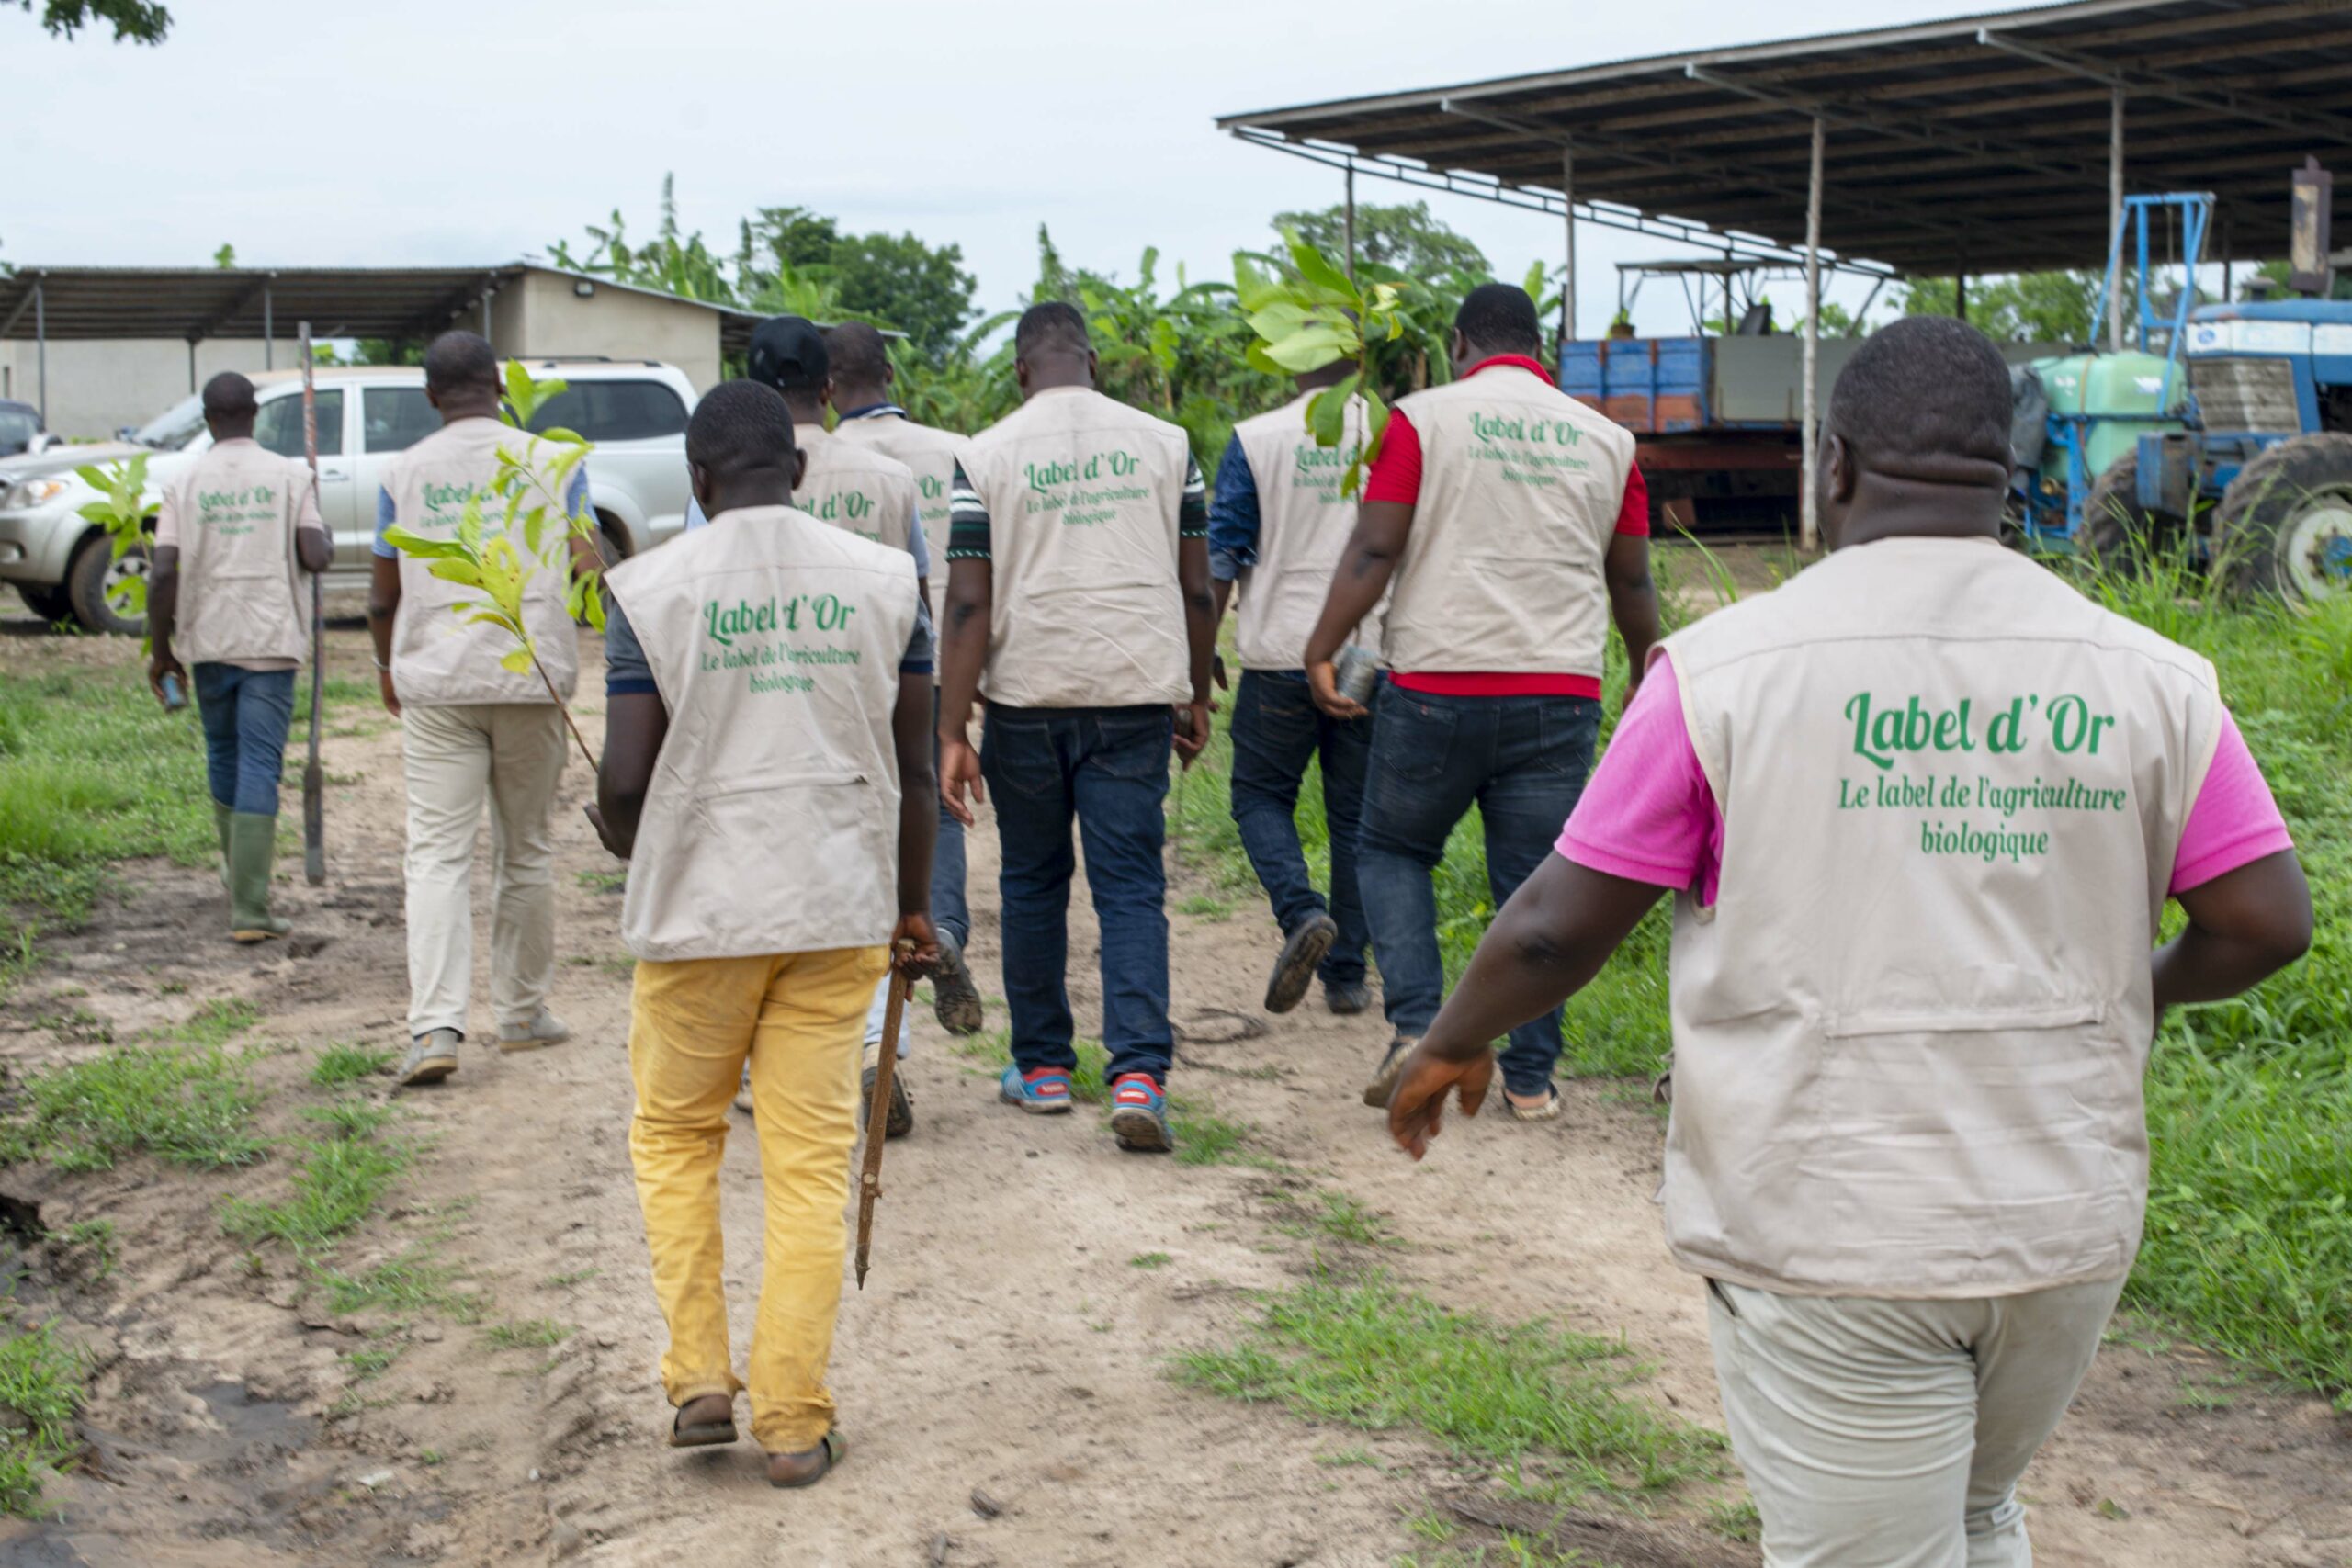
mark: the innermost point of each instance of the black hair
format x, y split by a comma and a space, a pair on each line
1054, 327
859, 353
1499, 317
461, 359
740, 427
1920, 392
227, 396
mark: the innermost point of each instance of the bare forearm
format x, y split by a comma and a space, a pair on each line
2243, 927
1547, 945
1633, 606
1365, 568
164, 603
1201, 615
313, 548
963, 648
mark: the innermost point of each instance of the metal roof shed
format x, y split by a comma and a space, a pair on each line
1983, 143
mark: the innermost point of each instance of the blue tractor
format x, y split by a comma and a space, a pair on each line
2233, 445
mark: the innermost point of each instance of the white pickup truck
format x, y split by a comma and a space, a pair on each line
634, 410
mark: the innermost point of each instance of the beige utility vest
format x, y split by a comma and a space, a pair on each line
1521, 488
1083, 494
438, 659
241, 587
1304, 524
772, 822
854, 488
1909, 1035
933, 455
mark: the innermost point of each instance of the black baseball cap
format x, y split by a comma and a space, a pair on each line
788, 354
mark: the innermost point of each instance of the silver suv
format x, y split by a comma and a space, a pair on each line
635, 412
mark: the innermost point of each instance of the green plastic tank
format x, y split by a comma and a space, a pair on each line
2126, 391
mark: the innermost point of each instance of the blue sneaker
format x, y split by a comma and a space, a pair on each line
1044, 1092
1139, 1114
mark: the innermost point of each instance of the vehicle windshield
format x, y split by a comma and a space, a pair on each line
175, 428
17, 430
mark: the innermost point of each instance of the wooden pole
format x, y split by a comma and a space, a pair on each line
1568, 220
1352, 223
1809, 503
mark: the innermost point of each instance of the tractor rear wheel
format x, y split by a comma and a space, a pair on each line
2285, 524
2119, 535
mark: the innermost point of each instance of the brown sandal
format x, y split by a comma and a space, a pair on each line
809, 1467
701, 1434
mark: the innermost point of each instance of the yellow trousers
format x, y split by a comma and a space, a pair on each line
800, 1017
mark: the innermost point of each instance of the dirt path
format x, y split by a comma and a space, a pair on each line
1007, 1346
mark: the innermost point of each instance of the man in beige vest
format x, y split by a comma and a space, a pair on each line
474, 730
1079, 605
1510, 526
1278, 524
234, 536
767, 775
865, 405
851, 487
1920, 809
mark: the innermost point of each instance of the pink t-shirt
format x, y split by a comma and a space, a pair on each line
1648, 814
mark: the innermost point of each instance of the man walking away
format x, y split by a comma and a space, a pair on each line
232, 536
1509, 525
863, 492
1277, 540
772, 792
1920, 808
868, 415
473, 728
1078, 603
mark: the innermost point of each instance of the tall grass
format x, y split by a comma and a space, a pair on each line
2249, 1236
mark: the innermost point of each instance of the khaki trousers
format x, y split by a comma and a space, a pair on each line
512, 755
1888, 1434
799, 1016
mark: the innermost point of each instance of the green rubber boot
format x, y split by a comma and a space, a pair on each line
252, 841
221, 819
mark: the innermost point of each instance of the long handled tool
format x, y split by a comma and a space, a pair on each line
878, 1111
314, 782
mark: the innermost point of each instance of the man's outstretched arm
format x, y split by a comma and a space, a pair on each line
2244, 926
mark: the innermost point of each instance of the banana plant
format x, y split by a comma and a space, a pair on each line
528, 498
121, 511
1317, 316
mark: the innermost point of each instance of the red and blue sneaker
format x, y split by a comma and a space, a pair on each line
1043, 1091
1139, 1114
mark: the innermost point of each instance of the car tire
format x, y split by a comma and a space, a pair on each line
50, 601
2119, 535
2284, 526
92, 573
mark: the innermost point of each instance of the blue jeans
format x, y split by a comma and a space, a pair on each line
1522, 762
246, 714
1108, 767
948, 910
1277, 730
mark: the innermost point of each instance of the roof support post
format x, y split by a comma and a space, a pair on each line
1960, 293
1352, 219
2115, 206
269, 331
1809, 499
1568, 222
485, 313
191, 364
40, 347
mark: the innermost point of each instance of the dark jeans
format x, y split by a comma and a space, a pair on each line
1277, 730
948, 910
246, 714
1522, 762
1108, 767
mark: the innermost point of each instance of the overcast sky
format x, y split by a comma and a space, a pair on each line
436, 131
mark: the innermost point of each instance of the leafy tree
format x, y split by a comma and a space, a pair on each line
900, 281
672, 260
2027, 306
225, 257
134, 21
1404, 237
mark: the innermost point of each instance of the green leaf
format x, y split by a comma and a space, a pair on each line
1278, 321
1257, 358
1326, 412
567, 437
519, 394
1252, 287
411, 543
456, 569
1318, 272
517, 661
1310, 349
97, 479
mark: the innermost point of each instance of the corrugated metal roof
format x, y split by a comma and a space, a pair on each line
1977, 144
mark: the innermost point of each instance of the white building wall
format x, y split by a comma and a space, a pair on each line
97, 387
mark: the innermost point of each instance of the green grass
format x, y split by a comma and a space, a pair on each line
529, 1333
187, 1105
346, 1062
350, 1118
97, 1238
414, 1283
40, 1388
216, 1022
1531, 1399
91, 771
1149, 1260
338, 1184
